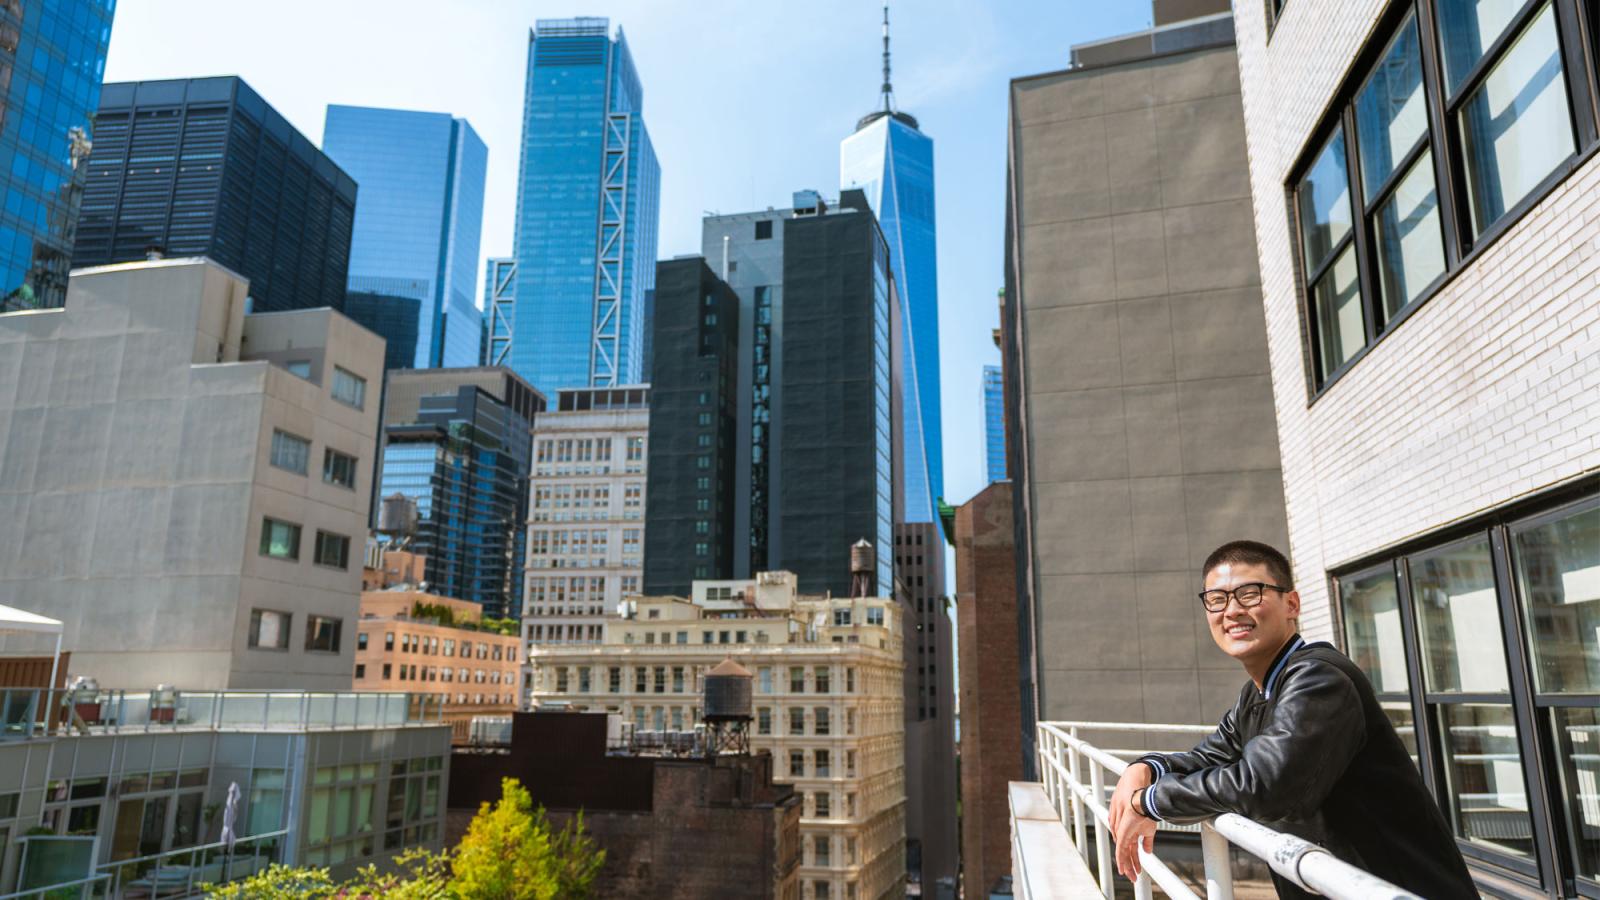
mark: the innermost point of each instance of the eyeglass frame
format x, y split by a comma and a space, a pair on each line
1232, 596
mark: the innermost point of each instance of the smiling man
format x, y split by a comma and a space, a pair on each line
1305, 750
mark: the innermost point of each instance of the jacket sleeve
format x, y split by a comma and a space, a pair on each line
1218, 748
1287, 770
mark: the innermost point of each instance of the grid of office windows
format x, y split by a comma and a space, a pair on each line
1461, 117
1484, 650
760, 414
587, 213
53, 57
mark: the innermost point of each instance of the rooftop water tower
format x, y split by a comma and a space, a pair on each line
728, 708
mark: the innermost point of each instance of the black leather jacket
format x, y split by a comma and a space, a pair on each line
1312, 754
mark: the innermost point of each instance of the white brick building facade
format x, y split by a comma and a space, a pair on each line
1490, 391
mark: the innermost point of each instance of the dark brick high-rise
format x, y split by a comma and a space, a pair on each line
205, 167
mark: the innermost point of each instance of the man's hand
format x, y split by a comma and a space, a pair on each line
1129, 829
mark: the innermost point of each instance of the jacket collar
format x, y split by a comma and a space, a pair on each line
1275, 671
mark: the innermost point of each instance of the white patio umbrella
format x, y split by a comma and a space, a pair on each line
230, 812
18, 621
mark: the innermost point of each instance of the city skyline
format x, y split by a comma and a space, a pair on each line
774, 132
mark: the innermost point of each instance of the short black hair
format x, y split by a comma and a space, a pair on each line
1252, 553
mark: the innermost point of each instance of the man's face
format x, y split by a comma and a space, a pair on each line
1258, 632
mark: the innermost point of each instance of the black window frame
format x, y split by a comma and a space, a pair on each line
331, 457
343, 543
314, 640
1551, 865
253, 639
1580, 60
266, 539
763, 229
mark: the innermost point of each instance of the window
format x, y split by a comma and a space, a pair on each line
361, 670
338, 468
1387, 205
797, 680
764, 720
349, 388
290, 453
797, 763
764, 229
820, 716
1487, 738
874, 615
824, 681
299, 367
322, 633
269, 629
797, 720
333, 550
280, 540
764, 679
822, 767
841, 618
824, 804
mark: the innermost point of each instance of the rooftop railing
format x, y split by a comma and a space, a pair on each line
27, 713
1077, 791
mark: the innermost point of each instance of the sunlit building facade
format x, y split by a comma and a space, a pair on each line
588, 199
826, 701
417, 226
53, 56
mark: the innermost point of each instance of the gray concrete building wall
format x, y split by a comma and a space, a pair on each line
135, 475
1144, 404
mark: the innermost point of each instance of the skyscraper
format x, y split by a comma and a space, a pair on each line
890, 160
246, 190
994, 425
54, 56
418, 223
814, 401
587, 207
459, 442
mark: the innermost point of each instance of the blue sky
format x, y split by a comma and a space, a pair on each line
746, 102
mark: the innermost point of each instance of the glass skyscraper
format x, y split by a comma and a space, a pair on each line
588, 199
419, 220
891, 161
994, 424
52, 60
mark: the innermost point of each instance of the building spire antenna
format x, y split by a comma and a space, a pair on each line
888, 87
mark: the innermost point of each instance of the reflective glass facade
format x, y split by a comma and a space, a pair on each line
52, 58
466, 461
892, 163
418, 223
587, 211
994, 424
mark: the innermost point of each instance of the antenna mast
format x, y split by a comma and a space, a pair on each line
888, 88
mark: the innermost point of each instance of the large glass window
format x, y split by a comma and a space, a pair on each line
280, 540
1516, 126
289, 452
269, 629
1499, 87
1511, 715
349, 388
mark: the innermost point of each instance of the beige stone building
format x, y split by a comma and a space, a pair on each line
184, 484
400, 647
827, 699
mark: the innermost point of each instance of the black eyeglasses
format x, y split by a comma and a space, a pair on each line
1249, 595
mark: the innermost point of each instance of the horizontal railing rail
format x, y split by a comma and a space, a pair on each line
184, 872
1063, 756
41, 712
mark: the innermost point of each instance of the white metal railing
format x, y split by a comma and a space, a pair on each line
1063, 756
40, 712
183, 872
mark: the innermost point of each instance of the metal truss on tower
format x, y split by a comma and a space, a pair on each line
501, 307
605, 355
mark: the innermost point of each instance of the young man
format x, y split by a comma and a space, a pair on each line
1305, 750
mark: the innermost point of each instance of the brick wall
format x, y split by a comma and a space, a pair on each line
1486, 393
991, 711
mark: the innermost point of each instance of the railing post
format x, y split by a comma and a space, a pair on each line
1102, 840
1080, 834
1219, 869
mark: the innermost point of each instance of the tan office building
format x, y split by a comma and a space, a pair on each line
828, 706
184, 484
421, 643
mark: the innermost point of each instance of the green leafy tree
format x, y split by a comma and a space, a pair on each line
510, 851
278, 882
